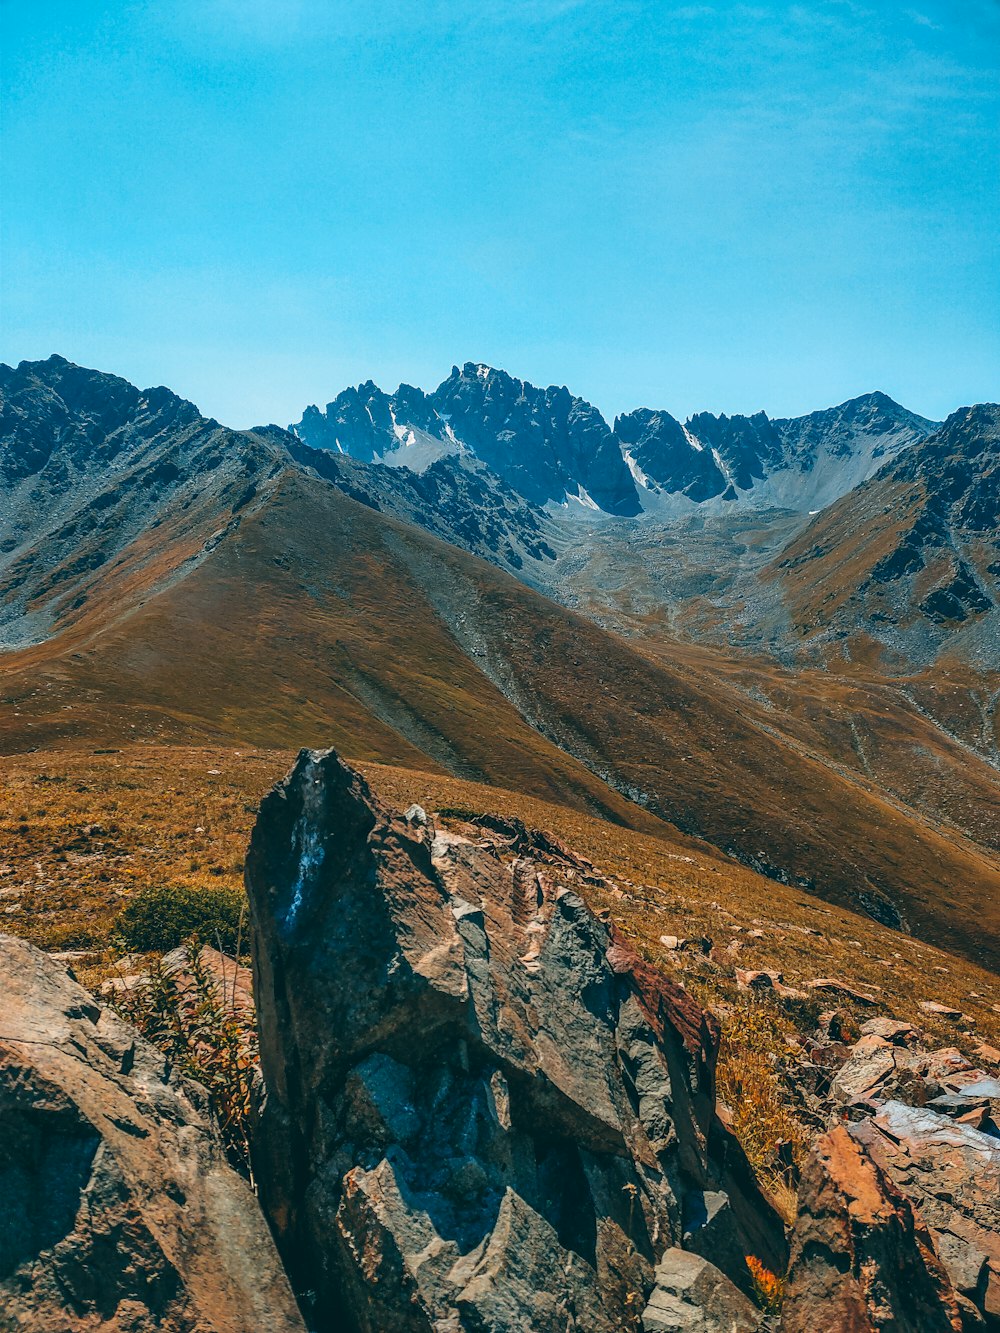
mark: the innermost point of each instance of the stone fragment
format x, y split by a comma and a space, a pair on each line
750, 979
937, 1010
951, 1174
693, 1296
861, 1258
861, 1075
232, 981
890, 1030
831, 985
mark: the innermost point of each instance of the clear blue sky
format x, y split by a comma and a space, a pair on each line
690, 206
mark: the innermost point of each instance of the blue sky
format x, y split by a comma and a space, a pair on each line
690, 206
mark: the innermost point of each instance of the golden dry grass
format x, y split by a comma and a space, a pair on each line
678, 886
320, 622
81, 832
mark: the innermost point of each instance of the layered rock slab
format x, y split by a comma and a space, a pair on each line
862, 1257
483, 1110
118, 1209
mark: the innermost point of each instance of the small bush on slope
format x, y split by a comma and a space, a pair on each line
161, 917
749, 1082
205, 1037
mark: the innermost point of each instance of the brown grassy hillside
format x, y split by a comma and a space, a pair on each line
81, 833
318, 621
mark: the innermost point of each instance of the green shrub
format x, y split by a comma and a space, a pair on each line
164, 916
206, 1036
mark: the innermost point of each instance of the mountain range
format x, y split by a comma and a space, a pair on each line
166, 579
555, 448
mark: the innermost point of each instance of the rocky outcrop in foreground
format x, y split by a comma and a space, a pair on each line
861, 1259
899, 1205
118, 1210
483, 1110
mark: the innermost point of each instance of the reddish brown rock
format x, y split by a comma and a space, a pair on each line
950, 1172
750, 980
937, 1010
890, 1030
862, 1259
484, 1110
831, 985
232, 981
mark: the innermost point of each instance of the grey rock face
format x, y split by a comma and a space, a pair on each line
798, 463
661, 451
91, 465
546, 443
549, 445
543, 443
692, 1296
370, 424
118, 1210
482, 1110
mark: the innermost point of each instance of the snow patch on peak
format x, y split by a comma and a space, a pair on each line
720, 463
583, 498
397, 430
637, 473
693, 440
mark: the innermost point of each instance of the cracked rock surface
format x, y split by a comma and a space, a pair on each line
483, 1110
118, 1209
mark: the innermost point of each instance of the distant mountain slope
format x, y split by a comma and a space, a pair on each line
90, 467
305, 617
554, 448
99, 479
191, 583
800, 463
910, 561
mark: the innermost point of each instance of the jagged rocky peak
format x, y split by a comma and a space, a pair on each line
882, 424
371, 425
483, 1109
547, 443
663, 455
56, 408
797, 463
707, 458
959, 468
553, 447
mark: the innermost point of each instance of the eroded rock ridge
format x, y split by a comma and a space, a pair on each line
483, 1110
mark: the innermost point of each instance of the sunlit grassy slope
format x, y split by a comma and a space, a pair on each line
80, 833
318, 621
